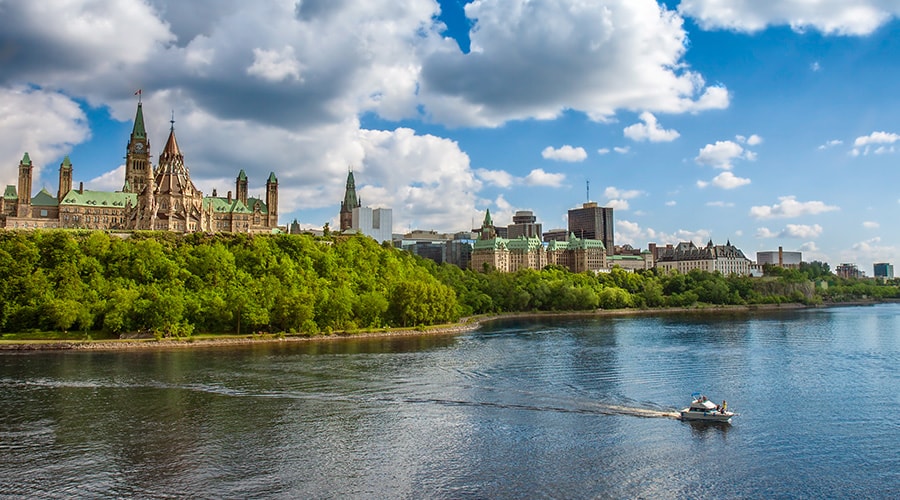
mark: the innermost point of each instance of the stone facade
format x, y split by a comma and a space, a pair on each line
684, 257
510, 255
160, 199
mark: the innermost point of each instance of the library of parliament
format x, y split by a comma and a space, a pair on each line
161, 198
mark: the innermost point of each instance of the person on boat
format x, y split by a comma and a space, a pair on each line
724, 406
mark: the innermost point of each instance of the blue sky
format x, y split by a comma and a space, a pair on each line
764, 123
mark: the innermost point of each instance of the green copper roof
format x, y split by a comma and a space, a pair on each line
487, 218
493, 243
26, 160
350, 199
262, 205
99, 199
221, 205
272, 177
44, 199
10, 193
138, 130
67, 162
242, 176
523, 244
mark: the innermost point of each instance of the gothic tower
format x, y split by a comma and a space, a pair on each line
65, 178
240, 187
350, 202
137, 156
24, 202
272, 200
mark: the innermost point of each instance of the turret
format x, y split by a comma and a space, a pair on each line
65, 178
272, 200
24, 194
137, 156
240, 187
350, 202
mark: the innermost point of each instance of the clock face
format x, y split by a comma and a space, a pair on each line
139, 147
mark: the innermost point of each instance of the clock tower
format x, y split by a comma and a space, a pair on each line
138, 169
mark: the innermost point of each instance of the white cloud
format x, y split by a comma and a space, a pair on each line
626, 54
884, 140
622, 150
722, 154
565, 153
721, 204
500, 178
860, 17
108, 181
871, 224
614, 192
815, 66
753, 140
603, 151
275, 66
802, 231
42, 123
629, 232
538, 177
649, 130
618, 204
725, 180
832, 143
671, 203
789, 207
764, 232
809, 246
869, 251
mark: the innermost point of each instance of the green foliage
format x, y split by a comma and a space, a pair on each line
174, 285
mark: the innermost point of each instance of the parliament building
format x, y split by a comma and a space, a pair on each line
160, 198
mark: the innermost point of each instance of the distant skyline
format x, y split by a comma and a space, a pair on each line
765, 123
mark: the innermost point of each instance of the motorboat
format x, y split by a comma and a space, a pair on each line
703, 409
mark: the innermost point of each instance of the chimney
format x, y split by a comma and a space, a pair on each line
81, 188
229, 197
214, 193
780, 257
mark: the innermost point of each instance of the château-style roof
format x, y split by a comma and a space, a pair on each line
10, 192
44, 199
688, 251
574, 243
98, 198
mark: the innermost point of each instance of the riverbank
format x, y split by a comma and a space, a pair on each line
465, 325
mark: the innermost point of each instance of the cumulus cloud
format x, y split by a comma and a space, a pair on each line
538, 177
650, 130
627, 194
802, 231
871, 250
536, 59
725, 180
43, 123
631, 233
722, 154
618, 204
275, 65
833, 17
789, 207
876, 142
871, 224
621, 150
108, 181
499, 178
565, 153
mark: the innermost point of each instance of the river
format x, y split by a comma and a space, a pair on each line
537, 408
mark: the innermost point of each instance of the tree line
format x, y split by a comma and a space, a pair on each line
169, 284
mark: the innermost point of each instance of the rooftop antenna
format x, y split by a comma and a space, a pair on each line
588, 186
172, 121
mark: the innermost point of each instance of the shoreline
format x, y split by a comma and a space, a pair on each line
464, 325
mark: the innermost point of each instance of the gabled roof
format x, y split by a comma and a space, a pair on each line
221, 205
98, 199
10, 193
44, 199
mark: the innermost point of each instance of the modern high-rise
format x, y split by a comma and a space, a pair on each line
884, 270
524, 224
593, 222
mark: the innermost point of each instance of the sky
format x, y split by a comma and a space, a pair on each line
766, 124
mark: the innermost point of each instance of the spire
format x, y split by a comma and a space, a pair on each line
242, 176
138, 130
26, 160
171, 144
272, 177
350, 199
487, 218
66, 162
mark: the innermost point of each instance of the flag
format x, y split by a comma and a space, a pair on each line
138, 92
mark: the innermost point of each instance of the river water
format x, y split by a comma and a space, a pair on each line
546, 408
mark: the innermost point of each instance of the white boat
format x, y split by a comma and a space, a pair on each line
703, 409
